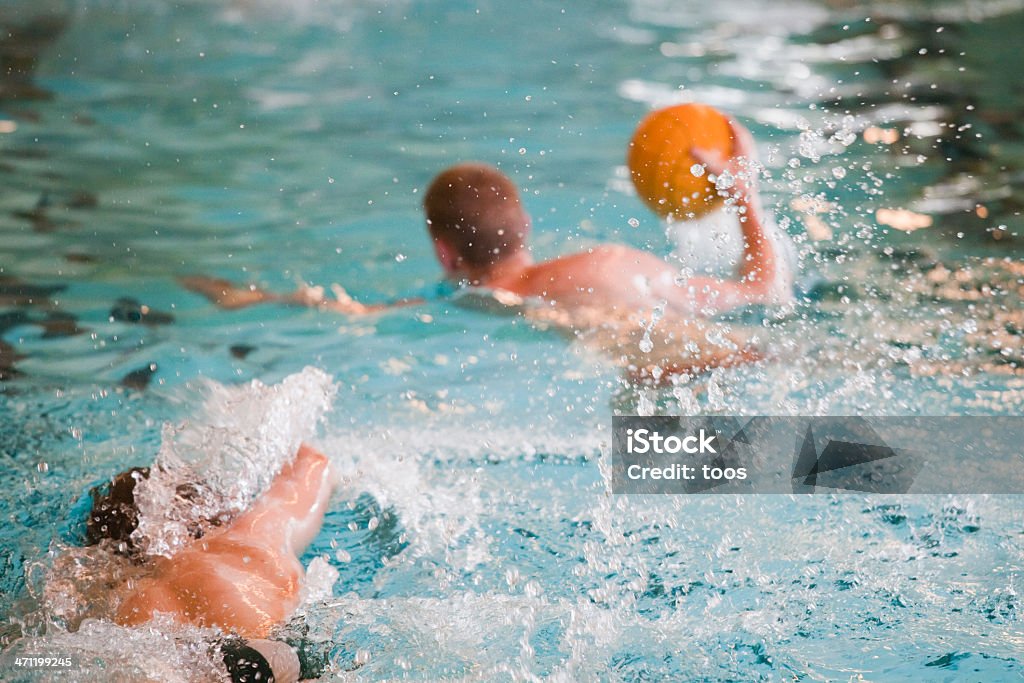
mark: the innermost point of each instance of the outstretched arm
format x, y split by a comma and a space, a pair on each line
761, 277
229, 295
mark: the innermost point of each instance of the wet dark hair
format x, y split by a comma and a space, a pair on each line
476, 210
114, 514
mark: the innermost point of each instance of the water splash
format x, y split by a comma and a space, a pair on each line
228, 454
101, 651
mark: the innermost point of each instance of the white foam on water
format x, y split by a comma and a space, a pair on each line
598, 630
159, 650
319, 583
434, 509
230, 450
464, 636
420, 470
233, 448
77, 585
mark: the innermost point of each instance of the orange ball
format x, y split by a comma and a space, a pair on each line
660, 163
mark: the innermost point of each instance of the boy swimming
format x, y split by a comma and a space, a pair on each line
479, 230
242, 577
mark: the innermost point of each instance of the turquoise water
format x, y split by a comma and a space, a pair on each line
284, 142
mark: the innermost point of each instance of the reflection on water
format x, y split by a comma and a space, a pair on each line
283, 142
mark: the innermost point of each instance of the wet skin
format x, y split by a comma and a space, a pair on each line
244, 578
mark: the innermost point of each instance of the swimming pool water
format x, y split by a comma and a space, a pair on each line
475, 539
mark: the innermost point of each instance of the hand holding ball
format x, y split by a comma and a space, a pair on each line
667, 177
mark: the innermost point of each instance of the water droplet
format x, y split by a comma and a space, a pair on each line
645, 405
716, 397
697, 170
512, 577
633, 223
724, 181
844, 137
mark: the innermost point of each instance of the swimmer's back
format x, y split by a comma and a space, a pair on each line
245, 577
623, 280
236, 584
611, 275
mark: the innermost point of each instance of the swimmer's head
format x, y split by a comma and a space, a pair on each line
475, 218
114, 514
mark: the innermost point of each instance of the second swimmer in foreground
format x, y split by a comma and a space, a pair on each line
243, 578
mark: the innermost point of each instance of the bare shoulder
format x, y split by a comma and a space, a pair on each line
233, 582
616, 252
608, 253
593, 258
602, 275
623, 260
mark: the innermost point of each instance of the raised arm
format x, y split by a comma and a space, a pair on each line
761, 277
231, 296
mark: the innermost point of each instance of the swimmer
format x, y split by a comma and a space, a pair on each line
242, 577
479, 230
600, 297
